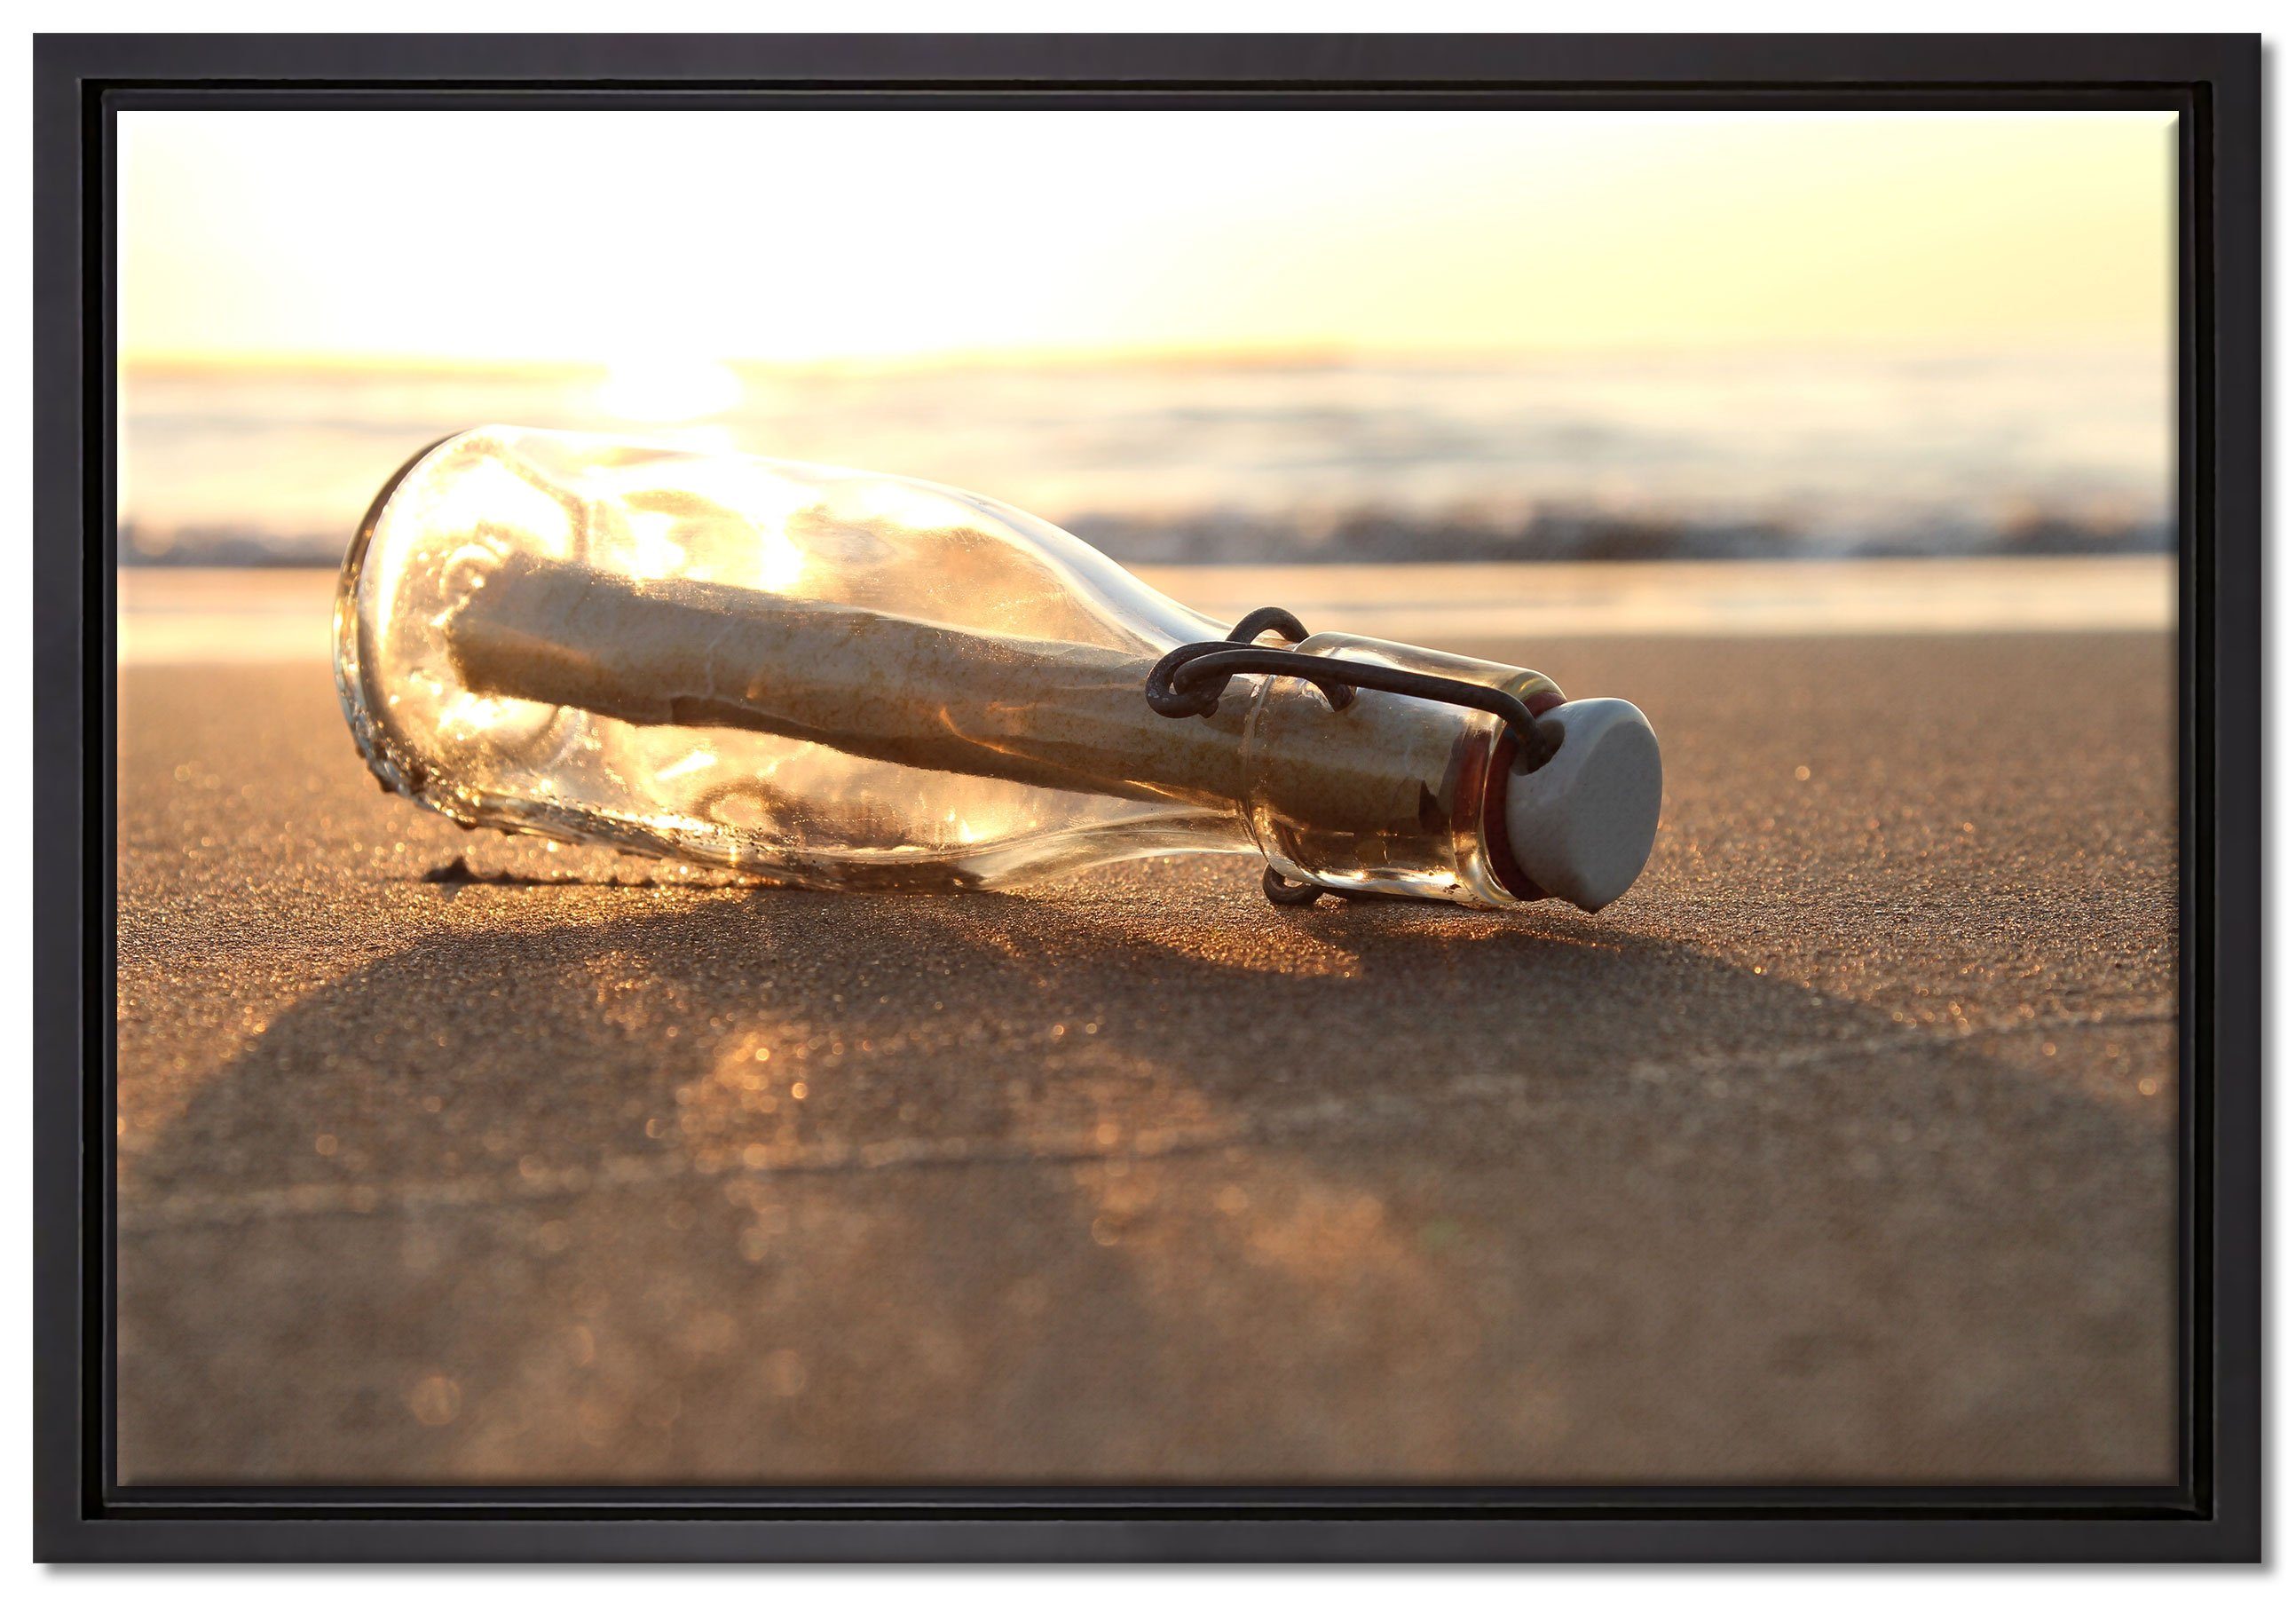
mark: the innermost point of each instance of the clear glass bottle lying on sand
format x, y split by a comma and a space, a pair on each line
836, 678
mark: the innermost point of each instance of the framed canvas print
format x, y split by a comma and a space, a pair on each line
1148, 798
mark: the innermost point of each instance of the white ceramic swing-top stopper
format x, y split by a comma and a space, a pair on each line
1583, 823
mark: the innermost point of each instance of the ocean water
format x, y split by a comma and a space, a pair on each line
1310, 461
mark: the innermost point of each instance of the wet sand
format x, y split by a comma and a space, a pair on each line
1840, 1151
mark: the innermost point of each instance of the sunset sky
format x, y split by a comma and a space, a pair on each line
826, 236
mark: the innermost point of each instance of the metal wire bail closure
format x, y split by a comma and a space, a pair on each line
1190, 681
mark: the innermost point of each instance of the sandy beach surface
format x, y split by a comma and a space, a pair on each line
1840, 1150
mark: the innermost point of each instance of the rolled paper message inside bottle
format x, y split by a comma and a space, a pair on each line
838, 679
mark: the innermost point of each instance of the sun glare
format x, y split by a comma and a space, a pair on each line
1215, 231
657, 389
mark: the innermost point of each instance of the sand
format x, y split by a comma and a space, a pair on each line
1840, 1150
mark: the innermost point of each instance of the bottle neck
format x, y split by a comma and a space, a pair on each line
1392, 795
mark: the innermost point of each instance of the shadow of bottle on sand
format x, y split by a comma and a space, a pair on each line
1123, 1186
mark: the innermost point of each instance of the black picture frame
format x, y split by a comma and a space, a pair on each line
2214, 82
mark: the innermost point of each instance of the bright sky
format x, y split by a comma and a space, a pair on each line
821, 236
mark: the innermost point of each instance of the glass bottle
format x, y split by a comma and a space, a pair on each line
842, 680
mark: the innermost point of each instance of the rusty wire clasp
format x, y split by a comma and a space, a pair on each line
1189, 681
